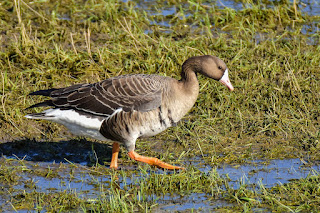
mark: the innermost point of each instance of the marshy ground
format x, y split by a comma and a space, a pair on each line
255, 149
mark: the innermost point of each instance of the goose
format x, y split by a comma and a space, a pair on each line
124, 108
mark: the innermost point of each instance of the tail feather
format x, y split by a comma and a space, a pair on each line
42, 104
40, 115
46, 92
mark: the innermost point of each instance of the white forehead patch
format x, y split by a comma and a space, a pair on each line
225, 76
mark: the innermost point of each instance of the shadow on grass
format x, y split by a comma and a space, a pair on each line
76, 151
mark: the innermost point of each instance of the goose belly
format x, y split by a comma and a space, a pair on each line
151, 129
77, 124
154, 123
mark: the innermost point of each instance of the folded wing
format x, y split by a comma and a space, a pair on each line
129, 92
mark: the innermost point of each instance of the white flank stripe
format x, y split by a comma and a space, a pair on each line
77, 124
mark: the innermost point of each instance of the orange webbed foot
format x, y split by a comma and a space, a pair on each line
153, 161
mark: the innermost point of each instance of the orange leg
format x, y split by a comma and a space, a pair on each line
115, 153
152, 161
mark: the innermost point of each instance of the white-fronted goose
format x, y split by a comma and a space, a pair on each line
124, 108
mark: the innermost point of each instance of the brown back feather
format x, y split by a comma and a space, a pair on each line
129, 92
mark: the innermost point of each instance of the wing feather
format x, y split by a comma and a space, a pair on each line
129, 92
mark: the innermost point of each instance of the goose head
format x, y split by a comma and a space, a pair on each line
211, 67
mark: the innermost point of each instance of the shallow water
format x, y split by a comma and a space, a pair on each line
311, 7
163, 14
88, 187
193, 201
76, 177
270, 174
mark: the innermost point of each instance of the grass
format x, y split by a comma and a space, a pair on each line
270, 47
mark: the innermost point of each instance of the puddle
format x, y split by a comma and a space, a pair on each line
161, 15
269, 173
230, 4
77, 177
68, 179
312, 7
78, 180
195, 201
